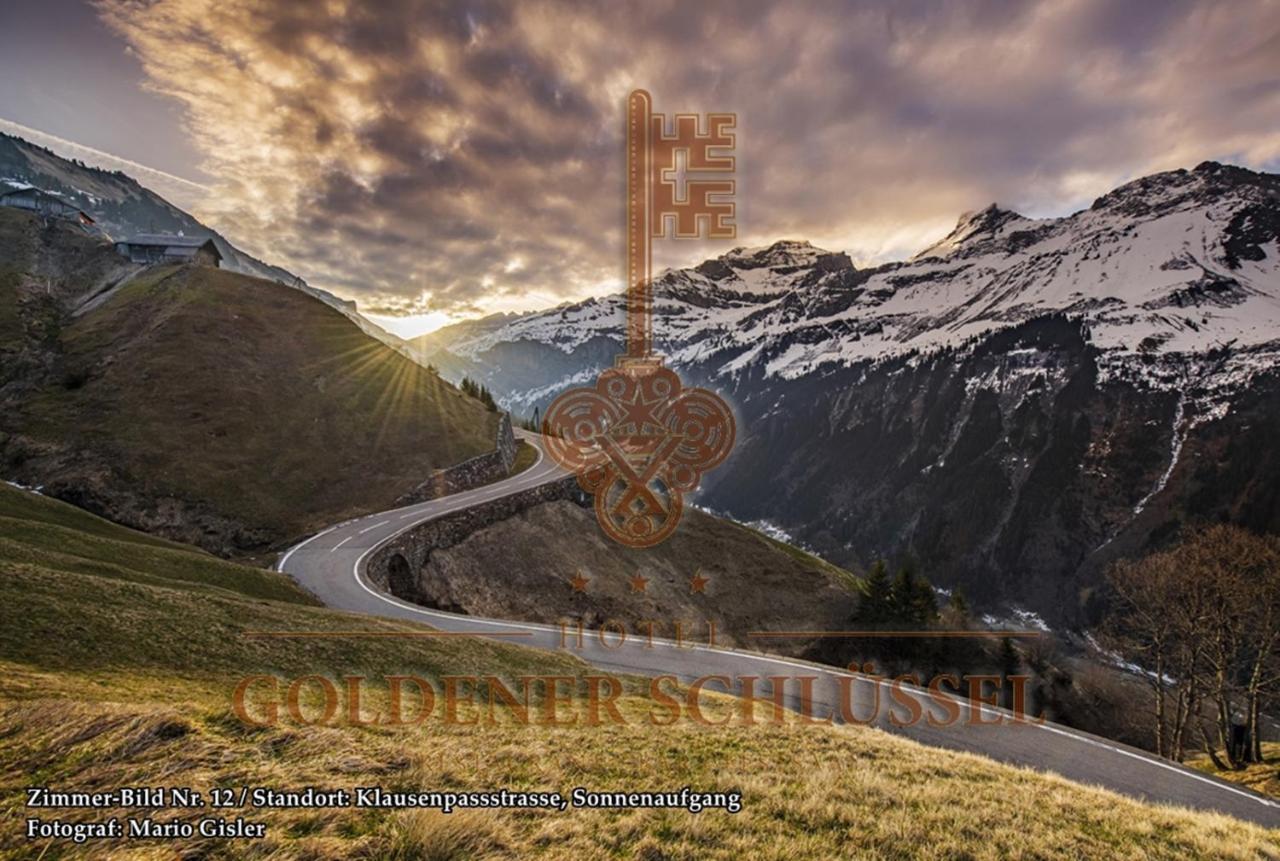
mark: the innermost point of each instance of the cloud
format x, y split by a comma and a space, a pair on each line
404, 153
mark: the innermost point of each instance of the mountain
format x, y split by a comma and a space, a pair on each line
121, 207
1013, 407
205, 405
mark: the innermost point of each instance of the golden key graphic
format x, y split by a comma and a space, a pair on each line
639, 440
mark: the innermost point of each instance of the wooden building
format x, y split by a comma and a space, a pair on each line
44, 204
170, 248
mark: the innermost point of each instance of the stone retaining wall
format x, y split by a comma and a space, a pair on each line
482, 469
395, 567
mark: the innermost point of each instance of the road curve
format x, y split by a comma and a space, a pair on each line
330, 564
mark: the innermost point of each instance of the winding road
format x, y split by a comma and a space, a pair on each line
331, 565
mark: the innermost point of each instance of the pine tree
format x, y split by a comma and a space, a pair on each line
959, 603
924, 606
1010, 660
876, 607
1010, 664
903, 593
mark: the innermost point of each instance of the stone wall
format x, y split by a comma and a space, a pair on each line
482, 469
395, 566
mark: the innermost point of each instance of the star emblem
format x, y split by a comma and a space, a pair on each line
579, 583
698, 583
639, 583
639, 414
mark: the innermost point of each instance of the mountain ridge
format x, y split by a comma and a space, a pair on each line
123, 206
1023, 403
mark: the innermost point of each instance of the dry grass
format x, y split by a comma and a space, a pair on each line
1261, 777
112, 679
466, 835
808, 793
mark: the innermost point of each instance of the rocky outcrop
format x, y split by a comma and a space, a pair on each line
517, 559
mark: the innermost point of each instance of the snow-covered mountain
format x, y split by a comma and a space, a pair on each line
916, 406
1179, 264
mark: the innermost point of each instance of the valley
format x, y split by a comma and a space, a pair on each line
229, 417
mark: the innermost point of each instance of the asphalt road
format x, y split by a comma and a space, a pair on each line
330, 565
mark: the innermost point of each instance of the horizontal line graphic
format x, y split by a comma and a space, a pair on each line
383, 634
873, 634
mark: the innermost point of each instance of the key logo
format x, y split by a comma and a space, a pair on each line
639, 440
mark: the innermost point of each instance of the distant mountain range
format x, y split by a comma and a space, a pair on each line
1014, 406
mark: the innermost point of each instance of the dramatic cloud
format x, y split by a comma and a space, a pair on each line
423, 157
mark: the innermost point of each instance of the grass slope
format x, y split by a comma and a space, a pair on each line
44, 268
118, 654
1261, 777
228, 411
84, 596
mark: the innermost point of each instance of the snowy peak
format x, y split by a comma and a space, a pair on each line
1209, 184
766, 270
784, 253
1172, 269
976, 232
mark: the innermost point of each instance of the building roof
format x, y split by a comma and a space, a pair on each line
38, 192
168, 240
54, 198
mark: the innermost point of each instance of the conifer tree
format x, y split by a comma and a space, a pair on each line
904, 593
924, 607
1010, 664
876, 605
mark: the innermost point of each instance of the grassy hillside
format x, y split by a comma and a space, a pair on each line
118, 654
83, 596
224, 410
46, 535
44, 268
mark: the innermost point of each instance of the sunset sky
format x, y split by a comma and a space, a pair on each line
444, 160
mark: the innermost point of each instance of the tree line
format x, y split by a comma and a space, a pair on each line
479, 392
907, 603
1203, 620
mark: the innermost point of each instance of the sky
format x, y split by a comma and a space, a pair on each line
437, 161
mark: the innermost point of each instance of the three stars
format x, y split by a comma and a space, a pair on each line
640, 584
